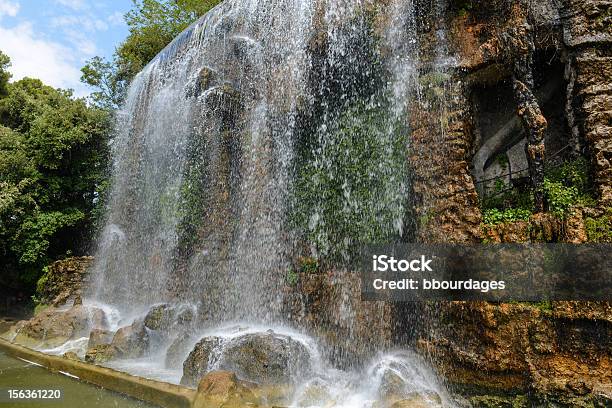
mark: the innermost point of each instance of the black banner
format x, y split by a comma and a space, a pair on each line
502, 272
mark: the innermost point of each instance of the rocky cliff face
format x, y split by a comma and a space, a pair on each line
497, 354
505, 354
63, 280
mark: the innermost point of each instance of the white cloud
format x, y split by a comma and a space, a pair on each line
37, 57
116, 18
73, 4
8, 8
83, 22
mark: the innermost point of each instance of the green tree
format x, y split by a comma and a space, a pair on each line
152, 24
53, 168
5, 75
104, 77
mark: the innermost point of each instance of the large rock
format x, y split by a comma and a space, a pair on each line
160, 317
63, 280
132, 341
71, 355
198, 362
98, 319
392, 385
223, 389
98, 337
102, 353
418, 401
52, 327
166, 319
265, 358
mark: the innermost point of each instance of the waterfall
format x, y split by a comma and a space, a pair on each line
202, 161
268, 131
239, 142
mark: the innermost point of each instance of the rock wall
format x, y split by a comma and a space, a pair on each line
63, 280
514, 354
587, 37
328, 304
446, 200
555, 352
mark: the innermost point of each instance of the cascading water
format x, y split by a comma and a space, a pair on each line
267, 130
203, 152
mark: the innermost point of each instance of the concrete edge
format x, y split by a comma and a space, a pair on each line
156, 392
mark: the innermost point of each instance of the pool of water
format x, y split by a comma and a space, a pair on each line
19, 374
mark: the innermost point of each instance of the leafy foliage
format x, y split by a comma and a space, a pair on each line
565, 186
560, 198
152, 24
110, 84
53, 156
344, 187
568, 185
5, 62
494, 216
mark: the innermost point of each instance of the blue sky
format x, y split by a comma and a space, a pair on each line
52, 39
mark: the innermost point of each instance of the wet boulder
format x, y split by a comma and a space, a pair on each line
223, 389
165, 318
71, 355
97, 319
102, 353
419, 401
199, 361
98, 337
185, 317
392, 385
52, 327
265, 358
160, 317
132, 341
314, 395
63, 280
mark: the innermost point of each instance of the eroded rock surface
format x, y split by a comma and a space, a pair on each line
98, 337
132, 341
52, 327
552, 350
264, 358
63, 280
223, 389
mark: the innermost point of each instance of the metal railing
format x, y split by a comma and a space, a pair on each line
510, 173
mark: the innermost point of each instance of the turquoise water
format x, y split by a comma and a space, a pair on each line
19, 374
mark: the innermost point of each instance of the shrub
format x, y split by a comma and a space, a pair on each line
560, 198
495, 216
599, 229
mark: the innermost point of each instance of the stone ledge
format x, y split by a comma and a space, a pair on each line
156, 392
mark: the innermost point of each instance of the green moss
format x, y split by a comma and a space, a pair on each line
39, 308
499, 401
432, 84
292, 277
308, 264
565, 187
544, 306
599, 229
42, 282
463, 7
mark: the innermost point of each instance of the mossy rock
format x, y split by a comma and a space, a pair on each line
102, 353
